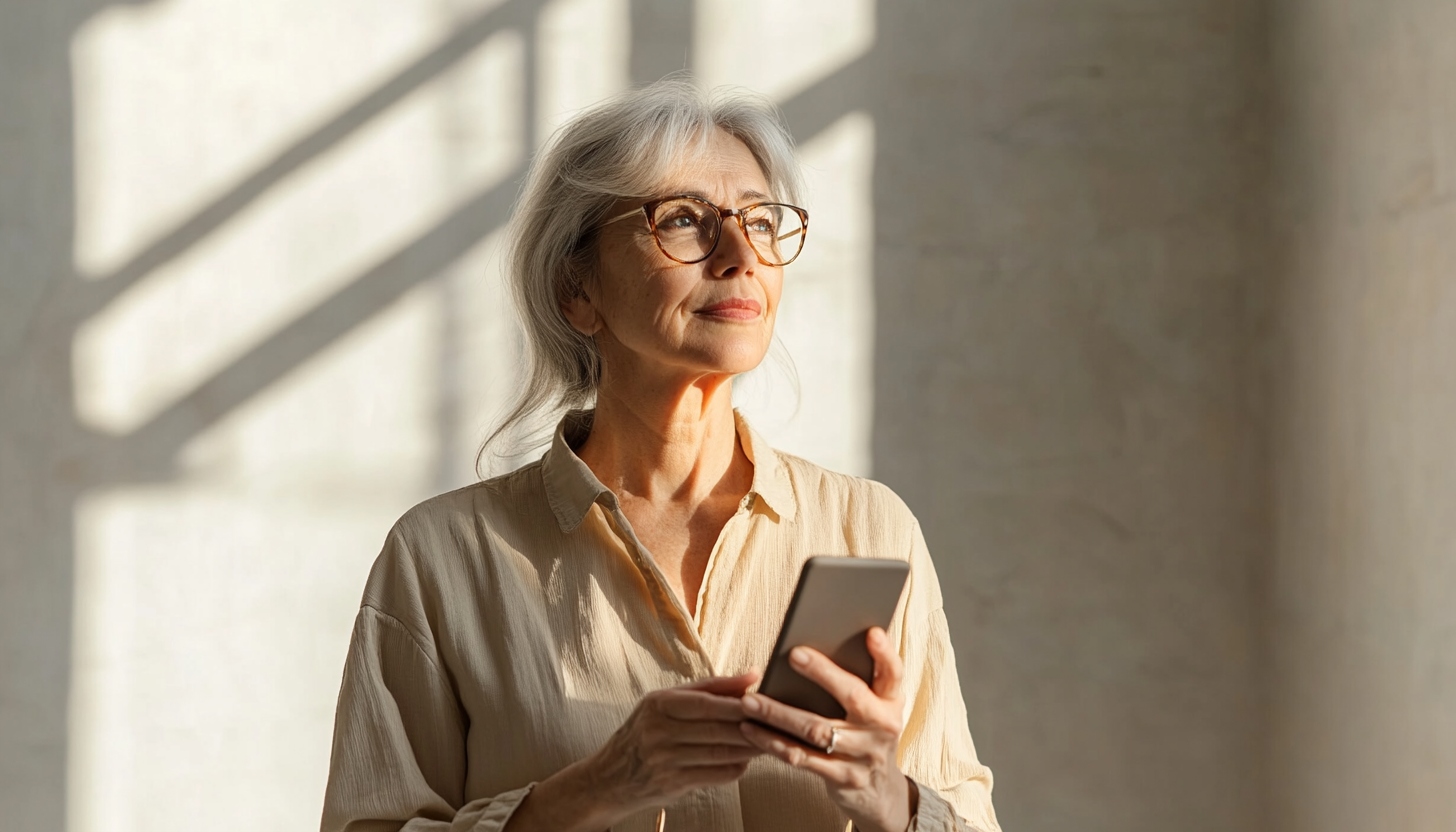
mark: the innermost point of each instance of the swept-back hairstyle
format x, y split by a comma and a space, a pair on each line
620, 149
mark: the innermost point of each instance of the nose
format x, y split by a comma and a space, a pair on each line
734, 256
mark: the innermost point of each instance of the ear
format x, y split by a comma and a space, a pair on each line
581, 313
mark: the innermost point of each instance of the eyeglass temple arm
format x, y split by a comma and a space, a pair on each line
621, 217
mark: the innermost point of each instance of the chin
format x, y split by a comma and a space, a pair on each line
733, 361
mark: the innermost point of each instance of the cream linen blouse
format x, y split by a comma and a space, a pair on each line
508, 628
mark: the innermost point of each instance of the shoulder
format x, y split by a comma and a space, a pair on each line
443, 543
818, 487
439, 518
463, 521
858, 509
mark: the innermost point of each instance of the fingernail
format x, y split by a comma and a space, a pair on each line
799, 656
751, 704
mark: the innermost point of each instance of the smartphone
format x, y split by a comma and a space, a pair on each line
835, 604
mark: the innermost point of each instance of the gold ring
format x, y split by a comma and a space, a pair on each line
833, 741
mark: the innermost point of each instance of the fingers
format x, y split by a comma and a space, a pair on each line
889, 669
678, 739
848, 689
724, 685
700, 732
799, 756
697, 756
672, 744
813, 729
676, 703
849, 743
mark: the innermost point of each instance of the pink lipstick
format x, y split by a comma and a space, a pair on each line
733, 309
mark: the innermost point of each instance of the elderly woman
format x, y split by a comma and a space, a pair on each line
574, 645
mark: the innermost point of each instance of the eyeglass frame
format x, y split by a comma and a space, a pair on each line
649, 209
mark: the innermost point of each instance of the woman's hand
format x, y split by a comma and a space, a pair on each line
675, 740
861, 774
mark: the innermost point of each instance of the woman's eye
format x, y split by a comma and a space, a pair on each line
679, 222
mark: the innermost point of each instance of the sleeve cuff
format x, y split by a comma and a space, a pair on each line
935, 814
500, 809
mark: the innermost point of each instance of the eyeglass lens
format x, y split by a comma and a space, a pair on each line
687, 229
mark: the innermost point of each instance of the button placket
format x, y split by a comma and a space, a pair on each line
695, 654
733, 533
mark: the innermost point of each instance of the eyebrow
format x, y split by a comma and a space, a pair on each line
743, 195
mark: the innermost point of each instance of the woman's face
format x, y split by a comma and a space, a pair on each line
652, 316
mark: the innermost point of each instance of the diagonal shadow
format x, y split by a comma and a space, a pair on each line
149, 451
95, 295
152, 447
814, 109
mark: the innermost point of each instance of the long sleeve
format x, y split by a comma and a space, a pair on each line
399, 742
509, 627
936, 749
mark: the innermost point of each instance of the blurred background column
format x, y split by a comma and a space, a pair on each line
1067, 281
1364, 568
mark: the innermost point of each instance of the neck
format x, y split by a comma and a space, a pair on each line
665, 442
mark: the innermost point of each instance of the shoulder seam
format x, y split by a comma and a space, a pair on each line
434, 665
414, 638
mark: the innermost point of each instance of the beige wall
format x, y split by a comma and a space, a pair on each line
1187, 474
1363, 582
1065, 390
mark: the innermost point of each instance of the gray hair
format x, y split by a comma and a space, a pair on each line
619, 149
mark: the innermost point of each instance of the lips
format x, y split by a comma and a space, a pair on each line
733, 309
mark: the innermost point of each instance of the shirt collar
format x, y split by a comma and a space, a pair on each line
572, 488
770, 478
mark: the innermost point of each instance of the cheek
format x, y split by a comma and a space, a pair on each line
667, 303
631, 296
773, 288
650, 306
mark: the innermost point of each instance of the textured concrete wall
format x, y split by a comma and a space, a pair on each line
1065, 389
1364, 577
1045, 330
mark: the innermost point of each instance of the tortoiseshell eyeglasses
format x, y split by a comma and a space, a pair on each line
688, 228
